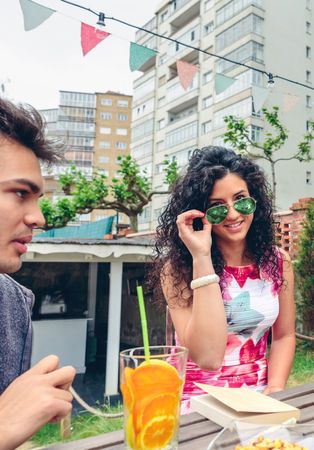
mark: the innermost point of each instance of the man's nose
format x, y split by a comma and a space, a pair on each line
35, 217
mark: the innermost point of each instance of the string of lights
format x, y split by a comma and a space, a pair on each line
271, 77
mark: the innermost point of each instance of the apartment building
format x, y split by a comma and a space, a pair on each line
276, 37
96, 130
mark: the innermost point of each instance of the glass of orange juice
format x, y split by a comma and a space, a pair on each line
151, 388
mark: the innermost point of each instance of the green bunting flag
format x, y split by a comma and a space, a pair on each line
34, 14
222, 82
139, 55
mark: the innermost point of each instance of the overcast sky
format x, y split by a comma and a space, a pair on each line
40, 62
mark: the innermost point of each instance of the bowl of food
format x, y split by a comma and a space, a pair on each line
250, 436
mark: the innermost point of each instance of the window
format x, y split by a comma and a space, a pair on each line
308, 5
243, 81
162, 80
207, 76
123, 117
234, 7
162, 59
159, 168
105, 130
121, 145
308, 178
186, 38
209, 27
307, 125
144, 88
250, 24
308, 76
308, 52
143, 129
308, 101
104, 172
160, 146
106, 101
161, 124
104, 144
250, 51
161, 101
206, 127
123, 103
256, 133
208, 4
308, 27
207, 102
122, 131
181, 134
103, 159
106, 116
142, 150
164, 16
242, 109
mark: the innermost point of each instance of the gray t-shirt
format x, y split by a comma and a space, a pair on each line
15, 330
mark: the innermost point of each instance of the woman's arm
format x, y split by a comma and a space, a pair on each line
283, 333
201, 327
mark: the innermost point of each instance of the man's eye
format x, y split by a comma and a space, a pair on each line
21, 193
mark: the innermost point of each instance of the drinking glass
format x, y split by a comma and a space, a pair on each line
151, 388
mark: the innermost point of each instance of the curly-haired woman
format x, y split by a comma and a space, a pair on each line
225, 282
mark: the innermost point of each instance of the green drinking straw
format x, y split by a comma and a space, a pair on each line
141, 303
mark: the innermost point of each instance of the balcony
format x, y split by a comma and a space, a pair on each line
182, 12
175, 91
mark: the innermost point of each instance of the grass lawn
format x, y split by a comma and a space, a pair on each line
85, 425
303, 366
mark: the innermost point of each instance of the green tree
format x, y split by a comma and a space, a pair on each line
128, 193
239, 136
304, 268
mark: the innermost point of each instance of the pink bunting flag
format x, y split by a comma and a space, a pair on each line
90, 37
186, 72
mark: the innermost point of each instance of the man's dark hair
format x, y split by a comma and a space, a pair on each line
24, 124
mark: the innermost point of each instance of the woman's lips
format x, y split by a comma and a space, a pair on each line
234, 227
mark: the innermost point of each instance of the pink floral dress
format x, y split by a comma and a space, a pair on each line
251, 304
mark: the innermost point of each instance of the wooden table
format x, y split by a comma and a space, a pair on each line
196, 432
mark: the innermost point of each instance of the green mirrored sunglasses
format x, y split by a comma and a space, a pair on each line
217, 214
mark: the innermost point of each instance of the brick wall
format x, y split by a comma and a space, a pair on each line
289, 224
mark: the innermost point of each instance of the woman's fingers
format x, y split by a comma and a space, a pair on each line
189, 216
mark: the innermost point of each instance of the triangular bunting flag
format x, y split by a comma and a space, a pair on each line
289, 101
186, 72
222, 82
90, 37
139, 55
259, 95
34, 14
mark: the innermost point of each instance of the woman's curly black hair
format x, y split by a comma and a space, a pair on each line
192, 191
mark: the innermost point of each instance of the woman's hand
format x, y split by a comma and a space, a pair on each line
197, 242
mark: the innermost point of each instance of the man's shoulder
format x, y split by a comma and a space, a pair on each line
9, 285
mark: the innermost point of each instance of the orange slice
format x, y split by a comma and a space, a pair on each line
154, 377
130, 434
127, 388
157, 433
154, 406
127, 396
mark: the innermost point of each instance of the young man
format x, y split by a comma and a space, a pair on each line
29, 398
